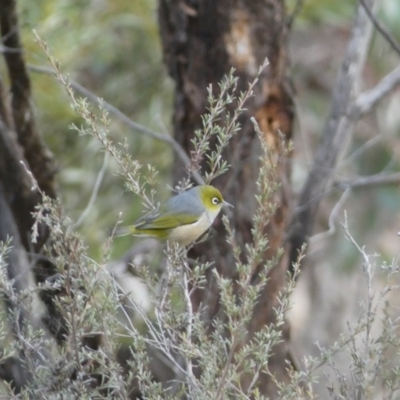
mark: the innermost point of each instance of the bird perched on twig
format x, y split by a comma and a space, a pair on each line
183, 218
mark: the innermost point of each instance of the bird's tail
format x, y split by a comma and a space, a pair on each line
124, 231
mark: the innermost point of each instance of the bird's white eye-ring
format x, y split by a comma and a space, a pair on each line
215, 200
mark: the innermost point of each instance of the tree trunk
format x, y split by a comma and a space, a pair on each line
21, 149
201, 42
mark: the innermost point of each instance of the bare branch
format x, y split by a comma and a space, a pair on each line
373, 180
380, 28
369, 99
95, 192
369, 144
332, 218
336, 132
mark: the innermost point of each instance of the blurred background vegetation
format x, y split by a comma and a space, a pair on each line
317, 43
112, 48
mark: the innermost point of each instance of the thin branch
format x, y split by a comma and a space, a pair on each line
367, 266
126, 120
332, 217
380, 28
366, 101
372, 180
189, 327
95, 191
369, 144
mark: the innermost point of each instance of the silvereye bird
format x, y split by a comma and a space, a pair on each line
183, 218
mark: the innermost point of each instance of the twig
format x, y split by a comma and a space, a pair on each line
126, 120
366, 264
380, 28
368, 269
189, 326
362, 149
372, 180
332, 217
95, 191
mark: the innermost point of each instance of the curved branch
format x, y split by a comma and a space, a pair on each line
180, 152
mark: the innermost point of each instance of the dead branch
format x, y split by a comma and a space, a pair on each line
380, 28
336, 132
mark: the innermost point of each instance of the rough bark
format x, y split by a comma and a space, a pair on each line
201, 42
35, 151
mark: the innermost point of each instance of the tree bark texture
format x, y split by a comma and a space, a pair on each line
201, 41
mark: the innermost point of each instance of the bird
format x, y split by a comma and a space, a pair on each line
183, 218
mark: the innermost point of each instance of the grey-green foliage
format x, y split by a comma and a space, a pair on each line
177, 337
85, 296
90, 299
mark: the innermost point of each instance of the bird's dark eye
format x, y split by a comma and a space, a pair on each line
215, 200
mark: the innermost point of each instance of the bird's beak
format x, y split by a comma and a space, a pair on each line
226, 204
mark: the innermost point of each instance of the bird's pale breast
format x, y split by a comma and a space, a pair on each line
186, 234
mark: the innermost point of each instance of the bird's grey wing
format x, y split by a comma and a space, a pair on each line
168, 220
